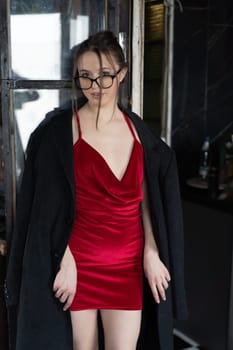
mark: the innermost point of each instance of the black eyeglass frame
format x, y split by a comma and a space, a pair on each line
113, 76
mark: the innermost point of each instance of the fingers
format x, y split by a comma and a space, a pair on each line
157, 275
64, 291
65, 284
68, 302
155, 293
65, 296
158, 290
167, 275
165, 281
161, 290
159, 287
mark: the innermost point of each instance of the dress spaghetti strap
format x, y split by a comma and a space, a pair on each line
126, 119
79, 127
130, 126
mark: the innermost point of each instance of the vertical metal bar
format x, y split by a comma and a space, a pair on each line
124, 37
65, 52
168, 71
138, 56
7, 116
165, 74
106, 14
7, 138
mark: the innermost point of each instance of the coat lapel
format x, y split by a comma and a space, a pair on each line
150, 145
63, 139
152, 160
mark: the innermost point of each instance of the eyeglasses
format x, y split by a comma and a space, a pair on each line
104, 81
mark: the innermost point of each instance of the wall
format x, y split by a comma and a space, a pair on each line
203, 76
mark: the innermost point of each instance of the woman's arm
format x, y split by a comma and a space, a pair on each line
66, 280
155, 271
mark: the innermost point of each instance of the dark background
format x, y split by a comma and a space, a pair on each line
203, 77
203, 106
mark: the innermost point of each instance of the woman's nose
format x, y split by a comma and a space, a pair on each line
95, 85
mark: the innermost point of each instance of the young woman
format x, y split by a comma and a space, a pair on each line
99, 208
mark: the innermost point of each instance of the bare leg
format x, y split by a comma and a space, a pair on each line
85, 331
121, 329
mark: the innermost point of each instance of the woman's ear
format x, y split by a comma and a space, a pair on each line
122, 74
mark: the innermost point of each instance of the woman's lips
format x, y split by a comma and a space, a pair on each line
97, 95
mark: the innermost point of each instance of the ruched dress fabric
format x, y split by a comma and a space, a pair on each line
107, 236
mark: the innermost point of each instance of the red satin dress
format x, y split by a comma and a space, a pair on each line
107, 236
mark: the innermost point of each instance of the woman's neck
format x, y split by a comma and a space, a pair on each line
105, 113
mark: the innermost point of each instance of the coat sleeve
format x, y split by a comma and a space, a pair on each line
17, 242
175, 235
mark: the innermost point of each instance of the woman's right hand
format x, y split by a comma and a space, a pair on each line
65, 282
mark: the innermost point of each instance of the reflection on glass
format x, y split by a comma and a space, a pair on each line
30, 108
36, 41
2, 203
43, 34
79, 29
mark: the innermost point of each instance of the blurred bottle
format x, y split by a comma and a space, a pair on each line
229, 165
204, 159
213, 170
226, 169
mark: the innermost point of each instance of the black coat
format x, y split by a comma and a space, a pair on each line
45, 214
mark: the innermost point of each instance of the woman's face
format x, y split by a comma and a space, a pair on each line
88, 66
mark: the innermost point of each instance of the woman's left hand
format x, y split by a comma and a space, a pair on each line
157, 274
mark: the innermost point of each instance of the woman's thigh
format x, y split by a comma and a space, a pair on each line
121, 328
85, 330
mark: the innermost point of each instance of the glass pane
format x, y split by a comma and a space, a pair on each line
30, 107
154, 64
43, 34
2, 202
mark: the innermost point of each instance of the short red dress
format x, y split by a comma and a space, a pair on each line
107, 236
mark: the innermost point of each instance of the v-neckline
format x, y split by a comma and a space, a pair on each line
105, 161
